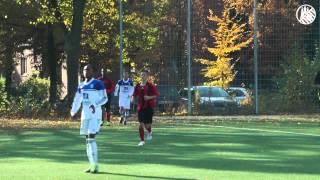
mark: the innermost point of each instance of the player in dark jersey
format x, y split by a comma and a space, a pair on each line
110, 86
146, 92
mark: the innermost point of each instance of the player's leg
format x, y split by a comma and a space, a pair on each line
121, 111
93, 129
108, 104
126, 106
149, 134
92, 153
90, 158
141, 134
148, 124
104, 114
141, 127
126, 116
84, 127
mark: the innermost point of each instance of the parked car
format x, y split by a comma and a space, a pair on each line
169, 98
241, 95
211, 96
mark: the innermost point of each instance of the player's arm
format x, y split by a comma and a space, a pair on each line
102, 95
116, 91
135, 93
149, 97
103, 98
131, 90
154, 92
76, 103
111, 86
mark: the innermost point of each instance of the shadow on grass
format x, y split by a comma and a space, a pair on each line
137, 176
209, 149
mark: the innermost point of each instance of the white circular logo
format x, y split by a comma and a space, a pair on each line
306, 14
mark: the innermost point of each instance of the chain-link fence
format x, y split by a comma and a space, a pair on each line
222, 55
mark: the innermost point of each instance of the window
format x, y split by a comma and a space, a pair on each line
236, 92
239, 93
23, 66
210, 92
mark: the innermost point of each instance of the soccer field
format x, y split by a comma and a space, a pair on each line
207, 150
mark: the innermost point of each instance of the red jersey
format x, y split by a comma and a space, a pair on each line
147, 90
108, 83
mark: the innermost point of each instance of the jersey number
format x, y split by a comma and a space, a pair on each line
85, 96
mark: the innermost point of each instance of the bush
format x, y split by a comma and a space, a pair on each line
270, 102
296, 82
31, 98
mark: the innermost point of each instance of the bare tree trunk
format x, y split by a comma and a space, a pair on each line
9, 67
53, 64
72, 47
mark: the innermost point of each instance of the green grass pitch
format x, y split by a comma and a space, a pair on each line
210, 150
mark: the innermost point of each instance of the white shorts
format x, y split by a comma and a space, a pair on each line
125, 103
90, 126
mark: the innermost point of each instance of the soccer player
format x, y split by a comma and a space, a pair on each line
109, 85
91, 94
124, 89
147, 94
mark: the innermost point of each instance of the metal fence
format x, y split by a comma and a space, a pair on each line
274, 74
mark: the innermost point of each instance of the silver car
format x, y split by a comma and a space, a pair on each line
240, 94
212, 96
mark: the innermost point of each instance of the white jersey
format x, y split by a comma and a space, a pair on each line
125, 90
90, 93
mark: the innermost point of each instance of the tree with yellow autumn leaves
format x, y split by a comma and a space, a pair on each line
229, 38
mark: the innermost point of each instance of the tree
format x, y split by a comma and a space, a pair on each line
278, 31
72, 47
15, 34
68, 15
100, 32
229, 39
295, 80
142, 33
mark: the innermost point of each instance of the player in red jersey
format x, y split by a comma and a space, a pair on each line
146, 92
110, 86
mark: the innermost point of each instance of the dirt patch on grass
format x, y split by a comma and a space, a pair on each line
70, 123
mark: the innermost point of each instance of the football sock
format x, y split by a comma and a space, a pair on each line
105, 116
108, 117
94, 151
89, 152
149, 129
141, 132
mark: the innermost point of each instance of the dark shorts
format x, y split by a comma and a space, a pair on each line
106, 107
145, 115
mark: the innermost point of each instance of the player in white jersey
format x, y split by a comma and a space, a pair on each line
124, 89
91, 94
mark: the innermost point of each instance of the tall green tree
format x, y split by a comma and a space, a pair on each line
69, 16
99, 37
16, 33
